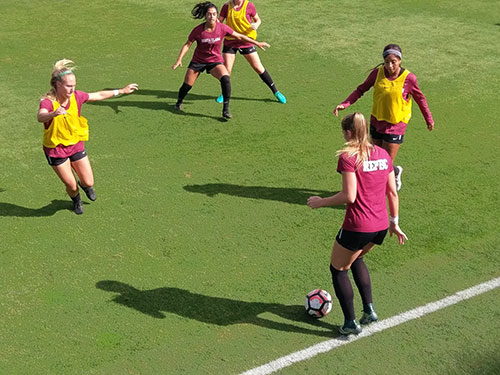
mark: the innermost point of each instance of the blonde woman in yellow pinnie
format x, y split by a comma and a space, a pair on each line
65, 130
242, 17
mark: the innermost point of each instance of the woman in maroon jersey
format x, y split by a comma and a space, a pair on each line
367, 179
207, 55
393, 89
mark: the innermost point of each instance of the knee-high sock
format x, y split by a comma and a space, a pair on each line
266, 77
343, 291
225, 85
183, 92
362, 279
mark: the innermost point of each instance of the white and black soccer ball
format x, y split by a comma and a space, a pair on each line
318, 303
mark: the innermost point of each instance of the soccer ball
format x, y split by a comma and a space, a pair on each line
318, 303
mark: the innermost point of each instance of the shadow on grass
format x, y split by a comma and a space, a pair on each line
153, 105
213, 310
165, 94
286, 195
9, 209
159, 105
162, 106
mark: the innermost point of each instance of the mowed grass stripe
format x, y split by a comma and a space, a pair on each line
394, 321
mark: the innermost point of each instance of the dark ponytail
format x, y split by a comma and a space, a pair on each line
200, 10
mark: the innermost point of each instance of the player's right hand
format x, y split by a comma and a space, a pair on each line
338, 108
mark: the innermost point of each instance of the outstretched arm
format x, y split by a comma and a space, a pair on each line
347, 195
358, 92
106, 94
261, 45
184, 49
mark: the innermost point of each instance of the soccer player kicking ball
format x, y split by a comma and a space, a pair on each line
367, 179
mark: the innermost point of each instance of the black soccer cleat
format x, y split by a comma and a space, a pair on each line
227, 115
368, 318
178, 106
78, 207
89, 192
350, 327
369, 314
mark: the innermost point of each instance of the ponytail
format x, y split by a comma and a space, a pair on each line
60, 69
200, 10
360, 144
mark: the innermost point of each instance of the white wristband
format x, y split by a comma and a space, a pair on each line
116, 92
394, 219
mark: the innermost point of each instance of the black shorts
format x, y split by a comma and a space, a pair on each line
242, 51
357, 240
58, 161
389, 138
200, 67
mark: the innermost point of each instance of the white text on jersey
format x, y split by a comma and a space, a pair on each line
375, 165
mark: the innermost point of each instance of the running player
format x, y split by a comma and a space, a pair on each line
207, 55
242, 17
393, 90
367, 179
65, 130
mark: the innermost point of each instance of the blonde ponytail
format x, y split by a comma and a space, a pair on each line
360, 144
60, 69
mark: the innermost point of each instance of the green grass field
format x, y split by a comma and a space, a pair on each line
199, 250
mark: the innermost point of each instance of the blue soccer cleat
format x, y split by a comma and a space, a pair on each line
281, 98
220, 99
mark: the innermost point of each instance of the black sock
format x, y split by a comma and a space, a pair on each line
76, 198
361, 277
183, 92
225, 85
343, 291
266, 77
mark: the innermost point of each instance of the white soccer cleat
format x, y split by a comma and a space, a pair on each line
398, 171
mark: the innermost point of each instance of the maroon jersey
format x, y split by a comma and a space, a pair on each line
368, 213
208, 44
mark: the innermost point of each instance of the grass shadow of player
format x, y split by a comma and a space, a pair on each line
9, 209
286, 195
214, 310
116, 106
166, 94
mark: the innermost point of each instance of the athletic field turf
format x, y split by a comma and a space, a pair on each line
197, 254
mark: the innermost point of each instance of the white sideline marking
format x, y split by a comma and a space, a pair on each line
328, 345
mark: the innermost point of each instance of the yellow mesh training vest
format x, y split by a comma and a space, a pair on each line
388, 102
237, 20
66, 129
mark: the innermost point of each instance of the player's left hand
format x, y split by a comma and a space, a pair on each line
395, 229
263, 45
430, 127
315, 201
130, 88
